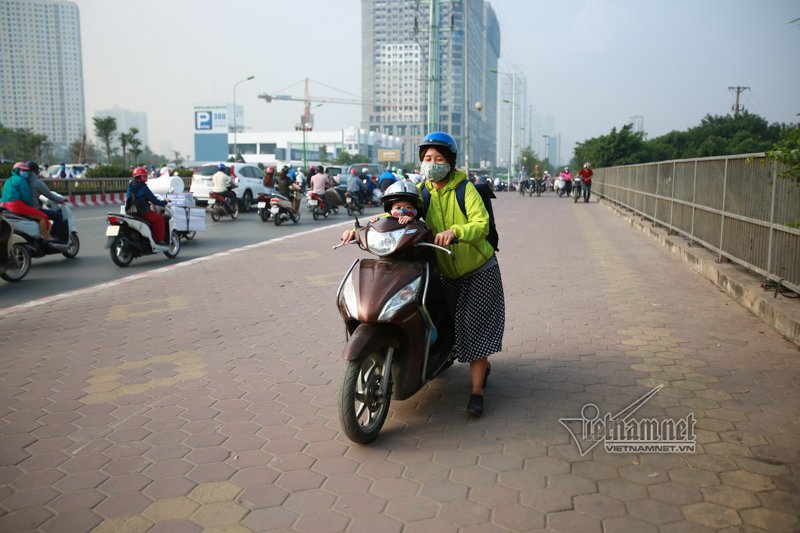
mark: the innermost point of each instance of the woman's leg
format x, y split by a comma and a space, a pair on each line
44, 228
477, 372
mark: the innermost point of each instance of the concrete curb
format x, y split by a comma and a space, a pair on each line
744, 287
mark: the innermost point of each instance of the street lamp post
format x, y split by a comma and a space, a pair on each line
235, 125
513, 76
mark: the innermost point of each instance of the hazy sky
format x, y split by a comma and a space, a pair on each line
591, 63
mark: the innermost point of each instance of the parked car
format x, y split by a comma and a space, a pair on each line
77, 171
249, 180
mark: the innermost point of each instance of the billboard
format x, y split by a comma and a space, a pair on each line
211, 118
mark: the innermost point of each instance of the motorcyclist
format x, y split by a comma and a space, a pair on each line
38, 188
221, 183
140, 195
269, 177
17, 198
354, 186
287, 186
586, 176
386, 180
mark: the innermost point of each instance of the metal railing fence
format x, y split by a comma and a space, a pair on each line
735, 206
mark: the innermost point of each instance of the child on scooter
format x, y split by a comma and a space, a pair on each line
401, 200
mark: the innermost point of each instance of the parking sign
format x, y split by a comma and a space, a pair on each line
202, 120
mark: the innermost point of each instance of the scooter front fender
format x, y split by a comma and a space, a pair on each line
367, 337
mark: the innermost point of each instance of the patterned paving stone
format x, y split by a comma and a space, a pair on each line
235, 428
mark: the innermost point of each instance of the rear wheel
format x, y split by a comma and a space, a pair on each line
120, 252
215, 214
189, 235
247, 201
263, 214
73, 245
277, 218
19, 263
174, 245
315, 213
362, 409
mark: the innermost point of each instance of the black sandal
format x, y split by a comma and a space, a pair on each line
475, 406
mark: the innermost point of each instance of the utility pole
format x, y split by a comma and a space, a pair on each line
736, 107
434, 67
466, 87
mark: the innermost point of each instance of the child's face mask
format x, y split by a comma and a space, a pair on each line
404, 212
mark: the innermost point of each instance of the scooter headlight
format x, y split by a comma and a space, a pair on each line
348, 297
383, 243
404, 296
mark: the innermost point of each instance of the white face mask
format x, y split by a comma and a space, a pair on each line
435, 172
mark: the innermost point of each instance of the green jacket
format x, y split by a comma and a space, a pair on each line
472, 249
17, 188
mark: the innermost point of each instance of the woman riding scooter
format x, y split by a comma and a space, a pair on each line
17, 198
140, 197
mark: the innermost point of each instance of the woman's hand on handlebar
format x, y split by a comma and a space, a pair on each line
444, 238
348, 236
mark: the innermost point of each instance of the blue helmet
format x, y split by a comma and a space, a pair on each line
438, 139
221, 166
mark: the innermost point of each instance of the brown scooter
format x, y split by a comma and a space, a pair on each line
399, 332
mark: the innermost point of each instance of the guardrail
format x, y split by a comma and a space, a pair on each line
735, 206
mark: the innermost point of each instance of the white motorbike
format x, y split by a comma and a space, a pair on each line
130, 237
560, 185
67, 242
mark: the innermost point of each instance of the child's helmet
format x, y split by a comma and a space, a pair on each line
402, 190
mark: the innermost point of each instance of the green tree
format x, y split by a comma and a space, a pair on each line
124, 141
787, 152
136, 144
344, 158
323, 154
529, 160
104, 128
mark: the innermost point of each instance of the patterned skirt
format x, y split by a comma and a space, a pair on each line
478, 308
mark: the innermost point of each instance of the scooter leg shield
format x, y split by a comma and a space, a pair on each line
369, 337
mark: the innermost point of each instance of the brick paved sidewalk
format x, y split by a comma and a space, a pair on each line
186, 402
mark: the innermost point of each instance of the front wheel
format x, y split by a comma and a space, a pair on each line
362, 409
19, 263
174, 245
73, 245
120, 252
235, 211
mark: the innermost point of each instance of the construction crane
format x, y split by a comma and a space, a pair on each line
307, 120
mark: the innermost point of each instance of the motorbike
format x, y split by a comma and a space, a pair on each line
15, 258
67, 242
560, 185
399, 331
220, 205
317, 205
129, 237
576, 189
353, 204
283, 209
262, 203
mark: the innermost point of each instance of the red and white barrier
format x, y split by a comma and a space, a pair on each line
97, 200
